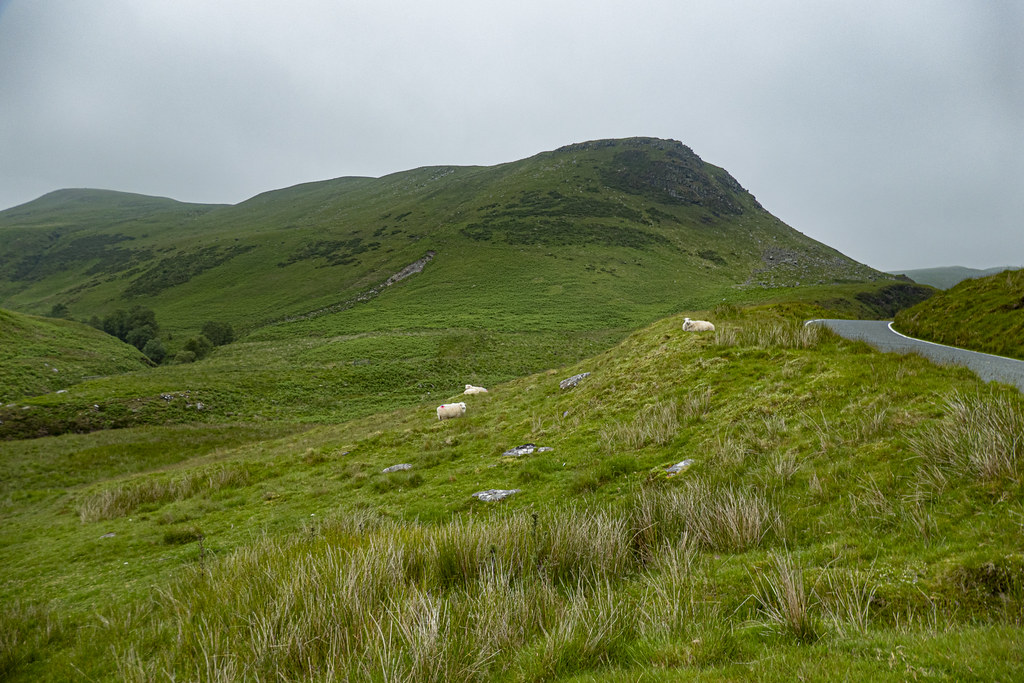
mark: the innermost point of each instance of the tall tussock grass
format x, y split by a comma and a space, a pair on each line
656, 424
981, 436
788, 334
839, 599
121, 499
480, 596
784, 599
26, 631
716, 519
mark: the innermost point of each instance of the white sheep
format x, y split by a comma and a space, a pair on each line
697, 326
470, 389
449, 410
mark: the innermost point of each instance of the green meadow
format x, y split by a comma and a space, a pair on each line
846, 513
837, 514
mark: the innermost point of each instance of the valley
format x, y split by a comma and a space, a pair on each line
843, 512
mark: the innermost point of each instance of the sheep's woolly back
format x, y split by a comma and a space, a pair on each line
450, 410
697, 326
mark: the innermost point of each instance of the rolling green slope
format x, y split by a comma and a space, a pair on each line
844, 512
946, 277
983, 314
41, 355
600, 234
523, 266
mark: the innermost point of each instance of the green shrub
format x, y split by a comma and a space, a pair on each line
155, 350
200, 346
182, 535
185, 357
218, 333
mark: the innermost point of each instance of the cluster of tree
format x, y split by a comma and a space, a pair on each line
59, 311
139, 328
213, 334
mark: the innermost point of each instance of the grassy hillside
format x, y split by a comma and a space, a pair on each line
946, 277
984, 314
523, 266
388, 352
42, 355
230, 518
846, 514
613, 233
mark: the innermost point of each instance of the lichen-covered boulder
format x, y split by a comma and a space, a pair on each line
570, 382
492, 495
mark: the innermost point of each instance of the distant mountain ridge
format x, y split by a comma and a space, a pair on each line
944, 277
610, 232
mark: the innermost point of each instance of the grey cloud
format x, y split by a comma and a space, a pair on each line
883, 129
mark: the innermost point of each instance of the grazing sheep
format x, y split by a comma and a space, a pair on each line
470, 389
450, 410
697, 326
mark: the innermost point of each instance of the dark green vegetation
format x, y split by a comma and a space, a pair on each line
846, 514
984, 314
946, 277
846, 511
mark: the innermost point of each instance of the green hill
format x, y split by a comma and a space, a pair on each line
518, 267
613, 233
983, 314
845, 512
946, 277
41, 355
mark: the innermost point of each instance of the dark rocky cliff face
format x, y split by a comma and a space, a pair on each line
666, 171
890, 300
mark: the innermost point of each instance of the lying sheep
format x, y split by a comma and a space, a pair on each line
697, 326
470, 389
450, 410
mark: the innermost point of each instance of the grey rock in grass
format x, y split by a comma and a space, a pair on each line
678, 467
492, 495
109, 534
573, 381
525, 449
397, 468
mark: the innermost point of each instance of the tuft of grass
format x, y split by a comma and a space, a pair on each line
785, 601
28, 630
847, 599
784, 334
717, 519
980, 436
181, 535
656, 424
696, 404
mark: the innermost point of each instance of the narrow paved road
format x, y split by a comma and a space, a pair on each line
879, 333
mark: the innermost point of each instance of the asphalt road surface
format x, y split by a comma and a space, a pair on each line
879, 334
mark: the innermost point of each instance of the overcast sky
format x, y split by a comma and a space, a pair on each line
892, 131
